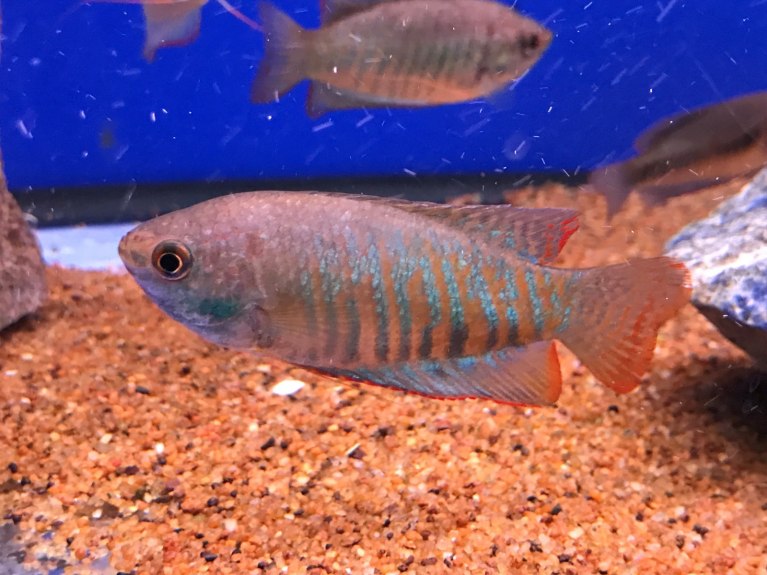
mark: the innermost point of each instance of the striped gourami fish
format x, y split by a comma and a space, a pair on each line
397, 52
445, 301
691, 151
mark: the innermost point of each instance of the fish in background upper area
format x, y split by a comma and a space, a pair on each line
387, 53
439, 300
174, 22
689, 152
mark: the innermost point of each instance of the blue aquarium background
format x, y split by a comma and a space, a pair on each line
83, 110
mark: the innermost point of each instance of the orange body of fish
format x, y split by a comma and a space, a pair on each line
398, 53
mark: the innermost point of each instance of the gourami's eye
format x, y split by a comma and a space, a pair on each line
172, 260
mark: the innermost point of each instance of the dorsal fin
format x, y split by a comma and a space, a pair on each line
536, 234
335, 10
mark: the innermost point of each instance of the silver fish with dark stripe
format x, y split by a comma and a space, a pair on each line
444, 301
689, 152
397, 52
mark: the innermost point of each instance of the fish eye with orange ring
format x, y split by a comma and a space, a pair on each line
172, 260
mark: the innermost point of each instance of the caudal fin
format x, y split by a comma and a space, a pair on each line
616, 312
282, 66
170, 25
166, 23
612, 182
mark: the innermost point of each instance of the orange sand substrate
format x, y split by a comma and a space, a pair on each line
124, 433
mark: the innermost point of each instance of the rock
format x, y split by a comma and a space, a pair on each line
22, 272
727, 257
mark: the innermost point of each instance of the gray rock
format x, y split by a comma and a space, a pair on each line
14, 549
11, 553
22, 273
727, 257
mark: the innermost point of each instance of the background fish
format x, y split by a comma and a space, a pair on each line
174, 22
439, 300
397, 52
691, 151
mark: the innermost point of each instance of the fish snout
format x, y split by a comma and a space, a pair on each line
535, 41
122, 249
131, 252
546, 36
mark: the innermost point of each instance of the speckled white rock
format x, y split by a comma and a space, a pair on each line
727, 257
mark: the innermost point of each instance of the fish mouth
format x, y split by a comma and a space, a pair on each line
122, 249
548, 36
131, 254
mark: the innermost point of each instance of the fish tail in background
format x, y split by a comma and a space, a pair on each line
175, 24
167, 23
616, 312
282, 65
614, 183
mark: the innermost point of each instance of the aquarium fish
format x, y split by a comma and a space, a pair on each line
691, 151
174, 22
397, 53
443, 301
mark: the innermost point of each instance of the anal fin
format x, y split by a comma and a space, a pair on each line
528, 375
324, 98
